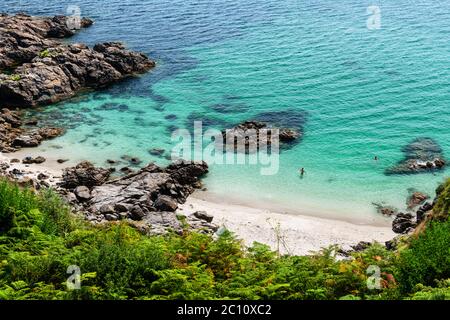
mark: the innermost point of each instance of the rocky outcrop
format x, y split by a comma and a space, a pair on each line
25, 37
416, 199
84, 174
421, 155
149, 196
44, 70
422, 212
14, 135
246, 137
31, 160
403, 223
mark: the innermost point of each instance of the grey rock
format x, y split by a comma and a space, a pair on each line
143, 195
84, 174
403, 223
137, 213
166, 203
246, 136
83, 193
42, 176
111, 217
106, 209
122, 207
203, 215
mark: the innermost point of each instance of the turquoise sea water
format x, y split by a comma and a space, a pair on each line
362, 92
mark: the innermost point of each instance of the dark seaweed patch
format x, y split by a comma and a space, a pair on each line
290, 118
171, 117
207, 121
109, 106
230, 108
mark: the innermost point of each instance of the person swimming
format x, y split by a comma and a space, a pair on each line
302, 172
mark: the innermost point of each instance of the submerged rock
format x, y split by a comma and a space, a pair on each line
385, 210
416, 199
421, 155
131, 160
157, 152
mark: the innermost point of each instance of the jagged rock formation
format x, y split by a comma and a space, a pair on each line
416, 199
13, 135
246, 137
42, 70
149, 197
421, 155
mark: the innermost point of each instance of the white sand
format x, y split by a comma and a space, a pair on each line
50, 167
288, 233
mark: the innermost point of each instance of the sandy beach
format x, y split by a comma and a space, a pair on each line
50, 167
288, 233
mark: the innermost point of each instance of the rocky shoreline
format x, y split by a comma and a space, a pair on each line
15, 133
38, 69
148, 199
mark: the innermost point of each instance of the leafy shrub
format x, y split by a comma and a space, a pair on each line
442, 207
427, 259
44, 53
40, 238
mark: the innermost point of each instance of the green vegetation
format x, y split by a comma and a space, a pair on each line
442, 206
15, 77
40, 239
45, 53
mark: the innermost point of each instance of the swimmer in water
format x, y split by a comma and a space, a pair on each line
302, 172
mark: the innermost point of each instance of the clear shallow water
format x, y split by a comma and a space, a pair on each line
365, 92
